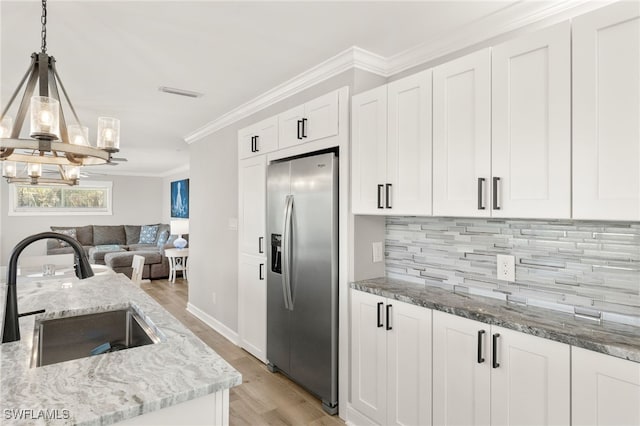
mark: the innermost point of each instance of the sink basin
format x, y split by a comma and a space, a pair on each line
63, 339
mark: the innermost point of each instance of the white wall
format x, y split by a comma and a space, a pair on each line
136, 201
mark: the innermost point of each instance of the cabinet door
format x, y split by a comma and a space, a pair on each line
462, 136
368, 356
461, 371
606, 113
289, 129
321, 116
245, 143
368, 150
251, 205
531, 383
252, 305
531, 146
408, 185
408, 364
266, 133
605, 390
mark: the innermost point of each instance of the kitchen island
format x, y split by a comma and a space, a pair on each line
177, 380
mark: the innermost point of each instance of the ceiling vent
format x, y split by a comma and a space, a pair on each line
180, 92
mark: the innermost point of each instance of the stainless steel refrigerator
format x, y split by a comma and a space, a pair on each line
302, 278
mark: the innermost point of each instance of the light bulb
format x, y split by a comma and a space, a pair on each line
108, 135
9, 169
45, 117
34, 169
6, 125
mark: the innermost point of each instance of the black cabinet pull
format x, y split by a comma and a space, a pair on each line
380, 324
480, 194
388, 194
304, 127
389, 317
260, 240
253, 139
495, 362
260, 272
255, 144
380, 206
299, 129
480, 339
495, 193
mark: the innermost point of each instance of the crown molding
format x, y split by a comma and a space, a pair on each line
353, 57
530, 14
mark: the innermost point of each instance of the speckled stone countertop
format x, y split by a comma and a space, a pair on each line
107, 388
619, 340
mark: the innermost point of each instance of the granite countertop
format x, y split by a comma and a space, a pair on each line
619, 340
114, 386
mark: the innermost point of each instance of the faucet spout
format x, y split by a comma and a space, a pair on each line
11, 328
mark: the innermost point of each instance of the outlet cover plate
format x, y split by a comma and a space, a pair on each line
506, 270
377, 251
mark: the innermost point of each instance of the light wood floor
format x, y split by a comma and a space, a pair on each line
263, 398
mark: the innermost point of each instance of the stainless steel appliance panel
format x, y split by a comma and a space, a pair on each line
278, 187
314, 274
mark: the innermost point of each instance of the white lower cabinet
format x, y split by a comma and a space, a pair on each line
605, 390
390, 360
486, 374
252, 305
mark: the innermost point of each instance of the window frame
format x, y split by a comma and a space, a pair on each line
39, 211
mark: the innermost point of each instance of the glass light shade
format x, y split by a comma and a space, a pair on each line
108, 133
72, 172
45, 117
34, 169
9, 169
78, 135
6, 125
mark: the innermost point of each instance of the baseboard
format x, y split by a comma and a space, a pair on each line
229, 334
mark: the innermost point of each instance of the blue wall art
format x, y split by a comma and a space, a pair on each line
180, 198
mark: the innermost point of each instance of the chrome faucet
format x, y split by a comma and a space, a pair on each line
11, 328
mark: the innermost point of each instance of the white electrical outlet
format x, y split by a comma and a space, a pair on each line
506, 267
377, 251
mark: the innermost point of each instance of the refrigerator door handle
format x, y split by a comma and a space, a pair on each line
286, 253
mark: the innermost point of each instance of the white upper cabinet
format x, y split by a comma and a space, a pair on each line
391, 148
462, 136
368, 150
531, 127
605, 390
606, 113
314, 120
259, 138
408, 184
252, 205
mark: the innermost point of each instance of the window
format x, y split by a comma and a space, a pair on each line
88, 198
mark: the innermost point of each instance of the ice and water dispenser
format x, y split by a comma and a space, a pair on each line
276, 253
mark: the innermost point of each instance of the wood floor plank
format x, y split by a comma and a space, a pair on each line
263, 398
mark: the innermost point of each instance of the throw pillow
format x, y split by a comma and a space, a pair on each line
70, 232
148, 234
162, 239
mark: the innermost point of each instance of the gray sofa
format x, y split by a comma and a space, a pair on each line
115, 246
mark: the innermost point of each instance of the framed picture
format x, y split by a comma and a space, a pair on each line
180, 198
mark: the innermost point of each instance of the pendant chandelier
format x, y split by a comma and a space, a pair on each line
52, 141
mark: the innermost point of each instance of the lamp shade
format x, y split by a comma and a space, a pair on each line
180, 227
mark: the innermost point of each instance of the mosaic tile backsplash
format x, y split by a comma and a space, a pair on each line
583, 266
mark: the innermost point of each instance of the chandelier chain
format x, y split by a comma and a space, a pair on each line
43, 20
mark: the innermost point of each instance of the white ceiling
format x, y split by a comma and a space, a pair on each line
113, 55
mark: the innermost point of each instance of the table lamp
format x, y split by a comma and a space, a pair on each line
179, 227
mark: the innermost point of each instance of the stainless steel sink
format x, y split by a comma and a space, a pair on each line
63, 339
